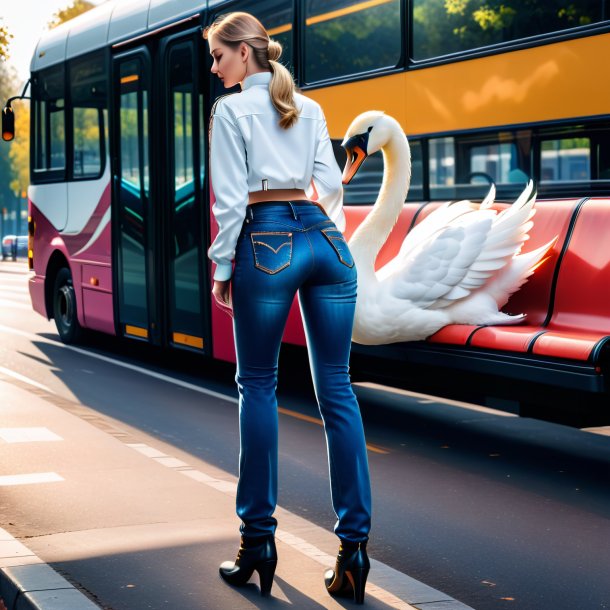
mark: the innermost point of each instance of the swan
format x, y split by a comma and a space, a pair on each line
458, 266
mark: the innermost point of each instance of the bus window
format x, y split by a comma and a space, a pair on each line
49, 158
565, 159
603, 155
441, 167
466, 166
441, 27
87, 102
344, 37
492, 162
416, 189
185, 297
277, 17
134, 128
132, 193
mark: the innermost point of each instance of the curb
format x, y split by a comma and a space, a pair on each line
27, 583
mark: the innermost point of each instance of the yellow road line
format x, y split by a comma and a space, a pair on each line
316, 420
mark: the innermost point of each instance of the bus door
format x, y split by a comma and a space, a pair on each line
133, 217
185, 218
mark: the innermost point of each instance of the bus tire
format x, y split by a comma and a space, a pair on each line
64, 308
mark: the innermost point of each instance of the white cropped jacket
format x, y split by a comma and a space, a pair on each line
247, 146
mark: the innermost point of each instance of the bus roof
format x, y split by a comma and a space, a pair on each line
109, 23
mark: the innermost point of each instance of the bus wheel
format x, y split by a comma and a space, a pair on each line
64, 308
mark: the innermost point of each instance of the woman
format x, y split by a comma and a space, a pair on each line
268, 144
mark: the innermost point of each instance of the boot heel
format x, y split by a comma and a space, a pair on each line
266, 570
357, 578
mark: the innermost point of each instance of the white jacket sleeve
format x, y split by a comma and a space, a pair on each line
229, 175
327, 177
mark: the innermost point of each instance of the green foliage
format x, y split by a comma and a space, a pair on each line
5, 38
73, 10
449, 26
566, 144
354, 42
9, 84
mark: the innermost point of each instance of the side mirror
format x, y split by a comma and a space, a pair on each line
8, 123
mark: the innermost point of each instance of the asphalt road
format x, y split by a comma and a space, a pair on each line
495, 510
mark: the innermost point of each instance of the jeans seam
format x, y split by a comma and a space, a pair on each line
275, 222
313, 256
318, 224
339, 238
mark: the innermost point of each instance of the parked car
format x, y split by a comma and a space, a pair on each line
14, 246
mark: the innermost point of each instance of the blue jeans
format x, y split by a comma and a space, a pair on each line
285, 247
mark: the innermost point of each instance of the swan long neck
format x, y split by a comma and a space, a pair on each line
372, 233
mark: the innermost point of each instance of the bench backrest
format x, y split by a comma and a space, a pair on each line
582, 297
552, 218
582, 286
357, 214
534, 297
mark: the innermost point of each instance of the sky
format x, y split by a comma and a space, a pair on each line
27, 20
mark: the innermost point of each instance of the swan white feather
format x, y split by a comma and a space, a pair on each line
459, 265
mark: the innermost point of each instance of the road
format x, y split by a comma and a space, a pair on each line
488, 508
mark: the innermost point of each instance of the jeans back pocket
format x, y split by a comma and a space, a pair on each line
337, 241
272, 250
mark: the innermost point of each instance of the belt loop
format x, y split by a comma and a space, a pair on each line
294, 213
249, 212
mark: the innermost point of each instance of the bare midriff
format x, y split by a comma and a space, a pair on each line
276, 195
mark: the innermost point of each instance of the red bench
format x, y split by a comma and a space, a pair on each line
567, 301
534, 298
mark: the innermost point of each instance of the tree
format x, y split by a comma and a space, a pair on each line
73, 10
14, 156
20, 148
4, 42
8, 87
449, 26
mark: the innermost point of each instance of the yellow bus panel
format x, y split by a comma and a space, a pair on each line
549, 82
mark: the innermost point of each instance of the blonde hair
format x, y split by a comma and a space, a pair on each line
234, 28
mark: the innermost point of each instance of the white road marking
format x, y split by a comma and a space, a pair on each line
14, 304
20, 280
395, 583
147, 450
158, 456
26, 435
25, 379
202, 477
125, 365
603, 430
29, 478
23, 333
392, 579
170, 462
12, 290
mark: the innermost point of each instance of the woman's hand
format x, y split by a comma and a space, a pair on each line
222, 295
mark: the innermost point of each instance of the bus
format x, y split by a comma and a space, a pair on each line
120, 197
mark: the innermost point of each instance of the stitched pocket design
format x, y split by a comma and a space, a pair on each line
272, 250
337, 241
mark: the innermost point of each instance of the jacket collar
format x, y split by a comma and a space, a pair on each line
258, 78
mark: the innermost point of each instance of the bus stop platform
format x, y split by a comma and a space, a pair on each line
99, 514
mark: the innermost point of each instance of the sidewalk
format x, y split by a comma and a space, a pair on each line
132, 522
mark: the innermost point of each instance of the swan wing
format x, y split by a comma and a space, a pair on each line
509, 231
438, 266
443, 216
460, 257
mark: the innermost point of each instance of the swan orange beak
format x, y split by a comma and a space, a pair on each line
355, 158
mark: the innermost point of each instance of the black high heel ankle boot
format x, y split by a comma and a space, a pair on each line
255, 553
348, 579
